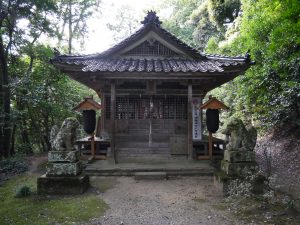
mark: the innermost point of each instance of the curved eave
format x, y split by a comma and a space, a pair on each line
210, 80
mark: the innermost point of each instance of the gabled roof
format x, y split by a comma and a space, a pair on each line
88, 104
180, 58
213, 103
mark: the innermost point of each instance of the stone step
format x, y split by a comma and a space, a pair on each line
126, 144
142, 138
144, 154
154, 131
94, 171
143, 158
150, 175
143, 150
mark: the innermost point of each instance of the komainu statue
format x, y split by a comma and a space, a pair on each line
63, 139
240, 138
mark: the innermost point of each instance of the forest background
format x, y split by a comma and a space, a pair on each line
34, 96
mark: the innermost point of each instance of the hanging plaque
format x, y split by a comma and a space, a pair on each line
197, 132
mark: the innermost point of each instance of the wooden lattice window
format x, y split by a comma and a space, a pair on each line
138, 107
151, 48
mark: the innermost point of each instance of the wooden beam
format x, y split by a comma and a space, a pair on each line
210, 144
112, 119
190, 123
103, 112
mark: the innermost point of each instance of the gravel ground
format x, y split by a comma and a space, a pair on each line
186, 200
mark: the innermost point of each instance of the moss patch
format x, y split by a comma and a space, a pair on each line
220, 206
200, 200
263, 212
222, 176
38, 210
42, 167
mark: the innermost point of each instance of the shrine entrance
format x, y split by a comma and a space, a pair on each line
146, 125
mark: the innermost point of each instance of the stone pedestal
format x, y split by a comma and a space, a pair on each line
62, 185
239, 156
234, 169
64, 174
235, 161
64, 169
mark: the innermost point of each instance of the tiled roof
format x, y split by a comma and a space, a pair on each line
213, 64
156, 65
110, 61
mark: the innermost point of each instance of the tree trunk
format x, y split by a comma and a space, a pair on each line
5, 129
70, 27
13, 135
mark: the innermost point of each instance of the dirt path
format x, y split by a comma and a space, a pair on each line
184, 201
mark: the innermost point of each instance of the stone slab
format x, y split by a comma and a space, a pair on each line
64, 169
63, 156
62, 185
221, 183
239, 156
150, 175
235, 169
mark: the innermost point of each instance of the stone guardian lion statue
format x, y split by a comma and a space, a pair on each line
240, 138
63, 139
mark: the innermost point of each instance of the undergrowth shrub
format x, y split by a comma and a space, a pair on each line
250, 183
13, 165
22, 191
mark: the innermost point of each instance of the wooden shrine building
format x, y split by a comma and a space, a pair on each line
151, 87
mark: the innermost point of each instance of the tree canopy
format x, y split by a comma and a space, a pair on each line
33, 94
269, 92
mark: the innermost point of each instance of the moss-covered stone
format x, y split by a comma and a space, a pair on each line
239, 156
222, 181
62, 185
63, 156
236, 169
64, 169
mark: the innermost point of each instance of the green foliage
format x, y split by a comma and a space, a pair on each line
223, 11
179, 22
42, 98
212, 45
13, 165
270, 90
124, 23
22, 191
72, 17
38, 210
195, 22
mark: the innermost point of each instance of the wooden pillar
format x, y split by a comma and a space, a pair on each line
210, 145
112, 118
190, 122
103, 113
201, 118
101, 118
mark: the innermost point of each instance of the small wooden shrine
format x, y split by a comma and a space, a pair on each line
151, 87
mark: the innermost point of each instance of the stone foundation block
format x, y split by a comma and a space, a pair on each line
63, 156
62, 185
64, 169
235, 169
221, 182
239, 156
150, 175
